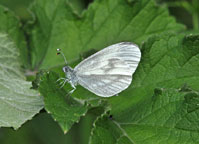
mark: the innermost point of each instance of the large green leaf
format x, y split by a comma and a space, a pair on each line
18, 103
168, 61
64, 109
170, 116
10, 25
104, 22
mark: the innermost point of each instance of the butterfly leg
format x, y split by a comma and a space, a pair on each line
60, 79
63, 82
74, 88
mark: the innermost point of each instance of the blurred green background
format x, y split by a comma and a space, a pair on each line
42, 129
20, 7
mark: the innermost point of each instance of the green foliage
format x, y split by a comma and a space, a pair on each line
160, 106
18, 103
64, 109
169, 116
104, 22
191, 7
43, 130
168, 61
10, 25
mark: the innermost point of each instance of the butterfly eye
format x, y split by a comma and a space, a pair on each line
65, 69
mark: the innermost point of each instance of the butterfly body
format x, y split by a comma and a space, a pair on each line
70, 75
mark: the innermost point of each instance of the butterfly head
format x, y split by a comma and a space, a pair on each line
66, 69
70, 74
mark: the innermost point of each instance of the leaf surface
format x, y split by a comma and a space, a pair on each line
169, 116
105, 22
18, 103
64, 109
168, 61
10, 25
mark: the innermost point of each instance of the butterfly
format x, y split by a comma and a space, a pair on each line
105, 73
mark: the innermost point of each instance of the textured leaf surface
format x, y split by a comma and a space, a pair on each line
169, 116
64, 109
18, 103
168, 61
11, 26
104, 22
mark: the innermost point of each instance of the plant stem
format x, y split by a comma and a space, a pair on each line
195, 21
195, 14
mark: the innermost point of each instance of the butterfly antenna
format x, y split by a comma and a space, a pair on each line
60, 52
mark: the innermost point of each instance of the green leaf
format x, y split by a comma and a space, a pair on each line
168, 61
11, 26
18, 103
64, 109
167, 117
104, 22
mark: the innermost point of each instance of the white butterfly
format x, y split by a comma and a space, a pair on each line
107, 72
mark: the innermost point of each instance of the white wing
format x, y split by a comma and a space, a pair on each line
109, 71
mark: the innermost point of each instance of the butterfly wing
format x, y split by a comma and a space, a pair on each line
109, 71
